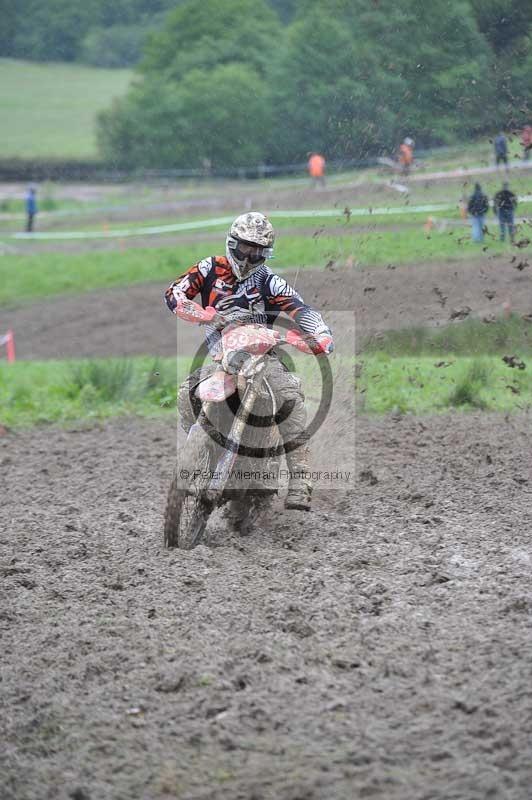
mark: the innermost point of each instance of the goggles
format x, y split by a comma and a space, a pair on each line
247, 251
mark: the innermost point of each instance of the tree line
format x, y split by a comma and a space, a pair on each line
96, 32
229, 84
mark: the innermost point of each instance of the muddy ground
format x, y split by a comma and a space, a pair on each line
133, 320
382, 651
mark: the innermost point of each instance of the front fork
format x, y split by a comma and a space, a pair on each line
222, 471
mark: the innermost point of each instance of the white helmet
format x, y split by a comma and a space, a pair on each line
249, 243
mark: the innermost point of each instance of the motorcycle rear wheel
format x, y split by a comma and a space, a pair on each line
187, 507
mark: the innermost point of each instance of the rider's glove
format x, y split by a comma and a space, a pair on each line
322, 344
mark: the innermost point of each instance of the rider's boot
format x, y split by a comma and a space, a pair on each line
299, 484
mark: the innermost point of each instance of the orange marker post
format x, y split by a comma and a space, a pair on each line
10, 346
9, 341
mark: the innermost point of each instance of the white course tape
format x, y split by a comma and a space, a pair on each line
119, 234
211, 223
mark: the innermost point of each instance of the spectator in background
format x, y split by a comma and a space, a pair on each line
477, 207
316, 169
406, 155
526, 141
31, 207
504, 204
500, 146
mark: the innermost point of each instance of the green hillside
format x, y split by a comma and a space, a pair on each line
49, 110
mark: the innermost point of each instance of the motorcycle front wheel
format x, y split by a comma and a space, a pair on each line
187, 507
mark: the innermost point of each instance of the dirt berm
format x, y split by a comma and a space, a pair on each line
134, 320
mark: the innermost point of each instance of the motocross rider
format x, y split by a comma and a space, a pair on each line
241, 288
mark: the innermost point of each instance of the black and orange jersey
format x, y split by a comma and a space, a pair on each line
259, 298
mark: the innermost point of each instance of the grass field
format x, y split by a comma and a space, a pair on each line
469, 337
421, 385
49, 110
58, 273
66, 391
459, 366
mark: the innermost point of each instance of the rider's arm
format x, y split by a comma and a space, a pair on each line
282, 297
179, 298
188, 285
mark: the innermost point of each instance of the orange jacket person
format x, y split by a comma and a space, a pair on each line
406, 155
316, 168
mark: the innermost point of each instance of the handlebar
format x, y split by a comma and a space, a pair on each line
192, 312
297, 340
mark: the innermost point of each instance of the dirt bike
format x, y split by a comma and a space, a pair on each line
222, 446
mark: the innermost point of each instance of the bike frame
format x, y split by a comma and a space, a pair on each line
257, 341
255, 367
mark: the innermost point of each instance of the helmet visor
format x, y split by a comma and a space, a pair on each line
248, 252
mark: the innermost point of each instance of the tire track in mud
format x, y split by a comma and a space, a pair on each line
379, 648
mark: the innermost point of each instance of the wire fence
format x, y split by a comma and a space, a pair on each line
16, 170
19, 170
